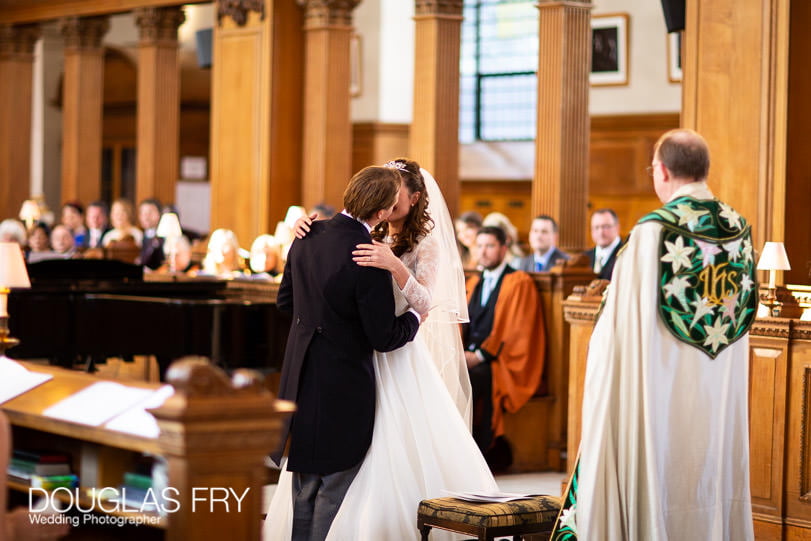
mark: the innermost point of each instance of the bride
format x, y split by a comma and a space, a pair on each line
421, 442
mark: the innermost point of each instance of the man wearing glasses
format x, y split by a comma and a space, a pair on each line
605, 232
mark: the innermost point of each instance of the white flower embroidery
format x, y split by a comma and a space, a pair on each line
567, 519
746, 282
747, 250
708, 251
716, 335
732, 217
676, 288
688, 215
734, 249
678, 254
703, 307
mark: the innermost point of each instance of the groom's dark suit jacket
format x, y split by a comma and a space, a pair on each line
342, 312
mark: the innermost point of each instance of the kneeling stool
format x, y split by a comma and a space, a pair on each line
487, 521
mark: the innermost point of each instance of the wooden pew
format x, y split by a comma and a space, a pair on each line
537, 432
214, 433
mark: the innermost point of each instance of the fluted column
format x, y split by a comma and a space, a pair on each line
434, 136
560, 181
16, 72
327, 150
82, 107
158, 102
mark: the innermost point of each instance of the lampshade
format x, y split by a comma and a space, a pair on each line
12, 266
169, 226
773, 257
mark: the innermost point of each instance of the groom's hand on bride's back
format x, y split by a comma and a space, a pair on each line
302, 225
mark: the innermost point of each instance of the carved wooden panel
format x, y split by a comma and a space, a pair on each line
798, 438
767, 377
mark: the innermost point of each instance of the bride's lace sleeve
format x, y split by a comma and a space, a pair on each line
418, 289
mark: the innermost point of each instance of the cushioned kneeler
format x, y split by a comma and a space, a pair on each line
489, 520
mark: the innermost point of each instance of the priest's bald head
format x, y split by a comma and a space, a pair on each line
679, 157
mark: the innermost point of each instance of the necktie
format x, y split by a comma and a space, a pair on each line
487, 288
598, 262
538, 266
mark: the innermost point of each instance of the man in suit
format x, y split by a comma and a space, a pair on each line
98, 223
605, 232
504, 340
543, 239
342, 312
149, 215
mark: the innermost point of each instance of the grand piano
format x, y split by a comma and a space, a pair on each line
82, 311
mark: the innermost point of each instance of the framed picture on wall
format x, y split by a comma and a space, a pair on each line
674, 57
609, 50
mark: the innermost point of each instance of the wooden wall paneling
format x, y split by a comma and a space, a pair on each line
327, 150
434, 135
82, 99
375, 143
797, 219
768, 368
798, 440
562, 141
158, 107
511, 198
16, 82
734, 93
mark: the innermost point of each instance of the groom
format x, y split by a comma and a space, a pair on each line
342, 312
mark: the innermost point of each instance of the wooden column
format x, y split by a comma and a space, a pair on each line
434, 136
560, 181
82, 106
327, 153
256, 112
158, 102
16, 72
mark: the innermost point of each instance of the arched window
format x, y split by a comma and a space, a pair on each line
498, 68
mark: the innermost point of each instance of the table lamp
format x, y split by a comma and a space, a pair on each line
169, 228
773, 259
12, 274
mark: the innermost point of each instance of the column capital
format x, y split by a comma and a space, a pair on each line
238, 10
320, 13
438, 7
158, 25
84, 32
19, 39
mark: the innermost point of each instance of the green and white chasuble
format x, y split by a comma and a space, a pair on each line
664, 452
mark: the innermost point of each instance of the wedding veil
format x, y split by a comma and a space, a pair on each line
448, 303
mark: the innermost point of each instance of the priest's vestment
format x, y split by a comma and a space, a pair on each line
664, 452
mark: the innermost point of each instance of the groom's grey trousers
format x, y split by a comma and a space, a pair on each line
316, 499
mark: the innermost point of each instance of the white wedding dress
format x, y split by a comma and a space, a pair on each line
420, 444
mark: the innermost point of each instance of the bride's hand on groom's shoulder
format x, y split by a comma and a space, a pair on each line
377, 255
302, 225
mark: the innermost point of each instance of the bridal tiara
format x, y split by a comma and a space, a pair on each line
400, 166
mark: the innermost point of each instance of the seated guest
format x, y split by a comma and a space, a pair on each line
265, 256
97, 221
543, 239
39, 244
322, 211
467, 227
222, 256
605, 232
73, 219
149, 215
12, 230
122, 219
497, 219
177, 257
504, 340
63, 241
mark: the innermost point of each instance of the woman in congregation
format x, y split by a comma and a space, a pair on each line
122, 218
421, 443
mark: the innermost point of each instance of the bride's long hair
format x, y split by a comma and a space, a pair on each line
418, 222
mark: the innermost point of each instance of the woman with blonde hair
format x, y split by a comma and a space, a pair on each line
122, 218
223, 257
